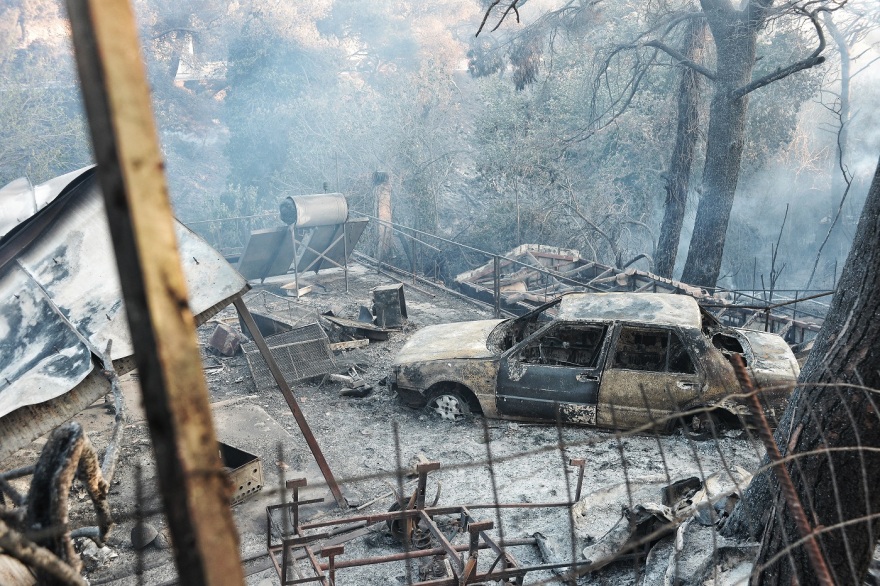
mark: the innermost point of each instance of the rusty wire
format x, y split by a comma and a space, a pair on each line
582, 444
781, 473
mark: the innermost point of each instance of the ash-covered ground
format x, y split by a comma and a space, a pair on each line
521, 463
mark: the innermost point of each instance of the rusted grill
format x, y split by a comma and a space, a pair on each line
300, 353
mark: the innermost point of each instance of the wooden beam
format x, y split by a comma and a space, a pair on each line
130, 170
349, 345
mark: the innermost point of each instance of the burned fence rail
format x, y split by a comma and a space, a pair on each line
532, 274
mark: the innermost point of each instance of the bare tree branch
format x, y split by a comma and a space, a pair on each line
506, 12
681, 59
486, 16
847, 178
510, 7
814, 59
611, 243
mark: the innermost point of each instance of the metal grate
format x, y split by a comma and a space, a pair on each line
300, 353
285, 310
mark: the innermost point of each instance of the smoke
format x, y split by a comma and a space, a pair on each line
805, 177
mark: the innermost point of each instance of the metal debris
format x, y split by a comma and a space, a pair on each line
357, 328
629, 518
615, 360
389, 306
274, 314
416, 525
268, 252
319, 235
245, 472
301, 353
61, 298
532, 274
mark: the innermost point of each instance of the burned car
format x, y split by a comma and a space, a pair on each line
614, 360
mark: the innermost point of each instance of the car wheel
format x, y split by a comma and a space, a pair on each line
449, 405
704, 426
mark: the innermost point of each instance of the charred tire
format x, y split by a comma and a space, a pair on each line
709, 424
395, 526
449, 403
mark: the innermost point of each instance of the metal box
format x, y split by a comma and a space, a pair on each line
245, 471
389, 306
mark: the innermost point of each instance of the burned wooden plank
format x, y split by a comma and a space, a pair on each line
349, 345
117, 101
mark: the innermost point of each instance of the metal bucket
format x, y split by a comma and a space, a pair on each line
323, 209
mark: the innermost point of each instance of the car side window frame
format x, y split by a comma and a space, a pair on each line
603, 350
619, 327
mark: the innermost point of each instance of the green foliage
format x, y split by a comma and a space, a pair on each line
318, 96
42, 128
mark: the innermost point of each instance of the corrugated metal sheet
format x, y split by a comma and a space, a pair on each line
60, 301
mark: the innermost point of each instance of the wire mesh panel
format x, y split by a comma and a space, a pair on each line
285, 310
301, 353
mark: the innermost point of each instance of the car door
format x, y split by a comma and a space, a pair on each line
650, 375
554, 373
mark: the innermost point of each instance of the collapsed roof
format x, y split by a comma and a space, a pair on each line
61, 304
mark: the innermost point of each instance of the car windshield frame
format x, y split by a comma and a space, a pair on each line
496, 341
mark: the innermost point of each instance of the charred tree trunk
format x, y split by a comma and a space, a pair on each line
735, 34
383, 211
686, 135
833, 420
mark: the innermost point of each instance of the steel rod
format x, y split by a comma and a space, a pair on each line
481, 304
795, 507
422, 553
291, 401
430, 511
496, 285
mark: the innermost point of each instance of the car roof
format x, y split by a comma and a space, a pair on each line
663, 309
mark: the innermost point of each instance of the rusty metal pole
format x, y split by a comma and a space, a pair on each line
814, 553
257, 336
296, 262
579, 463
331, 551
195, 491
496, 265
345, 251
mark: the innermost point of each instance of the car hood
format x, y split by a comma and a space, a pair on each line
446, 341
